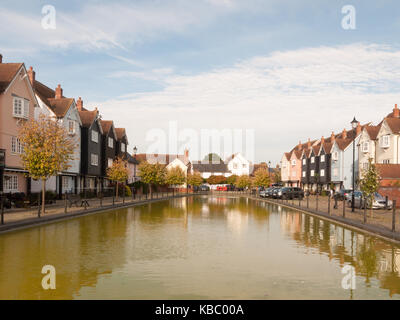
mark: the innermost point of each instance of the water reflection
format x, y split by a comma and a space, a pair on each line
197, 248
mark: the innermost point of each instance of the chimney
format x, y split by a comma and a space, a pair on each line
322, 140
186, 153
309, 143
1, 58
31, 75
79, 104
358, 129
332, 137
299, 146
344, 134
59, 92
396, 111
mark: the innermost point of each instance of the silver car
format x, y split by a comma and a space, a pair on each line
378, 201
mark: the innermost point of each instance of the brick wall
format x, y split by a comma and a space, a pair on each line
392, 192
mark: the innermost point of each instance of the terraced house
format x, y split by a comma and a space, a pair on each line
17, 104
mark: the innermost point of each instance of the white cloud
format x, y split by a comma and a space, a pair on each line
285, 96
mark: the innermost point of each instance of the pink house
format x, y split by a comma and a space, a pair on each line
295, 166
17, 104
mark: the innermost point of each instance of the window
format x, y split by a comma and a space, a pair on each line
16, 146
335, 171
335, 155
385, 141
71, 127
20, 107
312, 173
386, 161
322, 172
323, 158
244, 165
10, 183
235, 166
109, 162
65, 183
110, 142
94, 159
293, 162
304, 161
365, 166
304, 174
95, 136
123, 147
312, 159
365, 146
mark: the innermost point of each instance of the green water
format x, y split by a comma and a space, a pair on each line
197, 248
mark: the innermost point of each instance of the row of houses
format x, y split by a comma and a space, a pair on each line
321, 163
99, 142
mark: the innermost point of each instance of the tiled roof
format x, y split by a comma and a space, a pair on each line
60, 106
211, 167
288, 154
132, 159
88, 117
106, 125
120, 133
7, 74
373, 131
394, 124
161, 158
388, 171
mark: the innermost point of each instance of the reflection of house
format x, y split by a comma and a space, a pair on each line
17, 103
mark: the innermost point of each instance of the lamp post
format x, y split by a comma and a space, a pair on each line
354, 124
134, 167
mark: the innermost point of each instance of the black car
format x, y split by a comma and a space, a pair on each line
343, 194
297, 193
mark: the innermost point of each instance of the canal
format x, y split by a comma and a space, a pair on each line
198, 248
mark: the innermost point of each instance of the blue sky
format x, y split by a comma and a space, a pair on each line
285, 69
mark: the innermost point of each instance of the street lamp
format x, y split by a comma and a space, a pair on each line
134, 167
354, 124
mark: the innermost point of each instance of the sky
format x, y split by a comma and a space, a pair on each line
278, 71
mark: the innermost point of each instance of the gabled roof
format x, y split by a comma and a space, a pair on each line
8, 72
343, 143
373, 131
161, 158
327, 147
88, 117
394, 124
120, 133
106, 125
210, 167
288, 155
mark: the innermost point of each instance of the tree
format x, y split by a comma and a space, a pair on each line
212, 158
118, 172
216, 180
369, 182
175, 176
47, 150
261, 178
152, 174
243, 181
195, 179
277, 175
232, 179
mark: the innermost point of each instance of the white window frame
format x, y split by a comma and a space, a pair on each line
335, 155
110, 142
304, 161
312, 173
16, 146
71, 127
11, 184
322, 158
293, 162
65, 183
365, 146
386, 161
20, 108
123, 147
94, 159
312, 159
385, 141
109, 162
304, 174
322, 172
95, 136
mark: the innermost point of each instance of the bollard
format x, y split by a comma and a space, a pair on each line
316, 203
113, 199
394, 216
65, 202
308, 200
2, 209
39, 205
329, 205
365, 210
85, 203
344, 208
300, 201
386, 202
101, 199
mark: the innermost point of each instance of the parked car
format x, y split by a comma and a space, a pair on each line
297, 193
204, 188
378, 202
343, 194
268, 192
275, 193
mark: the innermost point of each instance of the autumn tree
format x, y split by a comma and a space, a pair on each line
175, 176
369, 183
277, 175
232, 179
261, 178
216, 179
195, 179
152, 174
118, 172
47, 150
243, 181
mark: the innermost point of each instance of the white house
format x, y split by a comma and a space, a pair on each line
238, 165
